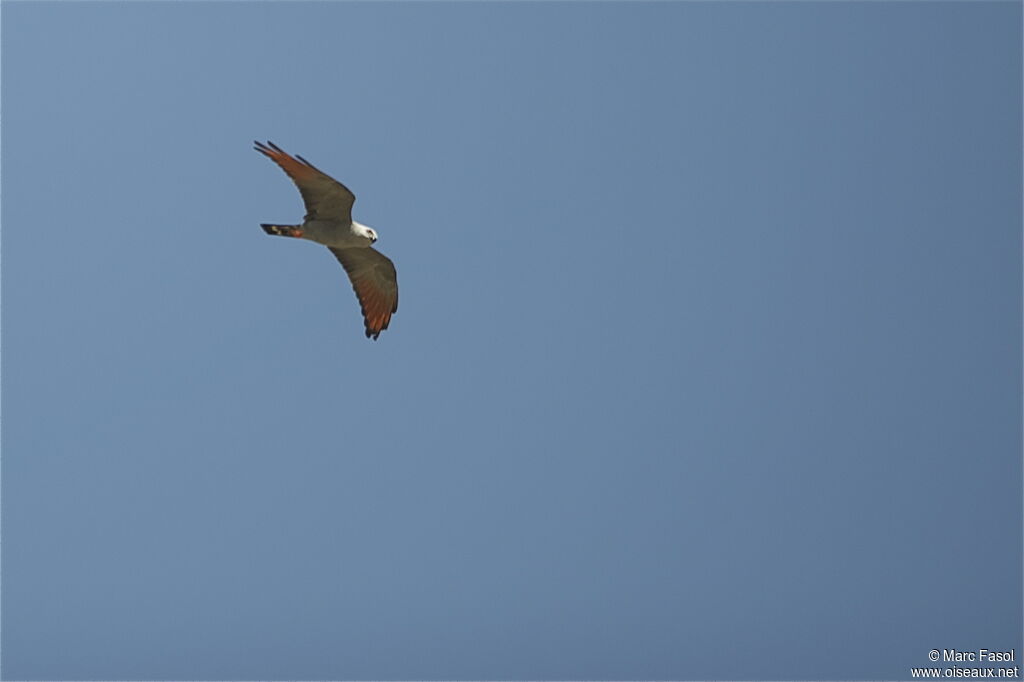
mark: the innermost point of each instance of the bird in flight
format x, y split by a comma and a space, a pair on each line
329, 222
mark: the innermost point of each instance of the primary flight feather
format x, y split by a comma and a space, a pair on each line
329, 222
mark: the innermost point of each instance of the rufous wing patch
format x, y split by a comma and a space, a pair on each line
297, 170
376, 307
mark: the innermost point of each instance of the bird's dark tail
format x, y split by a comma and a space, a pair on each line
283, 230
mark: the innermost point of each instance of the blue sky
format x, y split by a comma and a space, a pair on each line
707, 364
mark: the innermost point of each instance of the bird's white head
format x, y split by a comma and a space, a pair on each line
364, 231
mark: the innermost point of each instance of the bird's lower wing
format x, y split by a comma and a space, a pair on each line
376, 285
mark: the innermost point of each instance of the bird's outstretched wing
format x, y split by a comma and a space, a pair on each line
375, 282
325, 197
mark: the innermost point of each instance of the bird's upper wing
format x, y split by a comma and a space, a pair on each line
375, 282
325, 197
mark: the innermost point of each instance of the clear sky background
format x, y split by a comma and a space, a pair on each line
707, 364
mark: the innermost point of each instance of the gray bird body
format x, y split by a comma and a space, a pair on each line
333, 233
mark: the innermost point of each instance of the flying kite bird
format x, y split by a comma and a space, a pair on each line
329, 222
